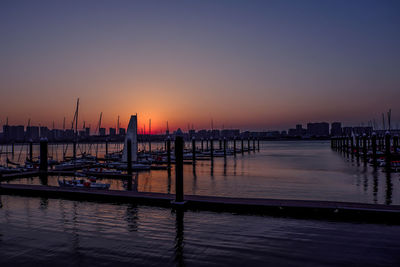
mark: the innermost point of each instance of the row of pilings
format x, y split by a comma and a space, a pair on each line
179, 149
374, 148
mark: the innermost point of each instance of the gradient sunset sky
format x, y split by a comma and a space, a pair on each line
256, 65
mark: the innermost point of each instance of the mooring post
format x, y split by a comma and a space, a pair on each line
248, 144
129, 156
364, 139
224, 147
387, 147
220, 144
352, 144
202, 147
194, 150
258, 144
169, 151
357, 145
212, 148
234, 146
207, 144
43, 155
179, 169
373, 141
242, 147
31, 150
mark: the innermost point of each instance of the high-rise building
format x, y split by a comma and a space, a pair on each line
318, 129
336, 128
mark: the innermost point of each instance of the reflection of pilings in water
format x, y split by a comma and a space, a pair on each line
193, 151
44, 203
179, 146
375, 188
234, 146
212, 169
389, 188
194, 185
225, 166
179, 238
234, 166
365, 178
211, 149
131, 217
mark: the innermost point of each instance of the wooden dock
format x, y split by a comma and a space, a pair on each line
348, 211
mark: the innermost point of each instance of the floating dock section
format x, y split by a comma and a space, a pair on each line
347, 211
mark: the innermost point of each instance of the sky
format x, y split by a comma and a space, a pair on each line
252, 65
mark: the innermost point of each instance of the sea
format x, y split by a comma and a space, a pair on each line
57, 232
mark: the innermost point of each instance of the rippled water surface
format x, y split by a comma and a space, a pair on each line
55, 232
287, 169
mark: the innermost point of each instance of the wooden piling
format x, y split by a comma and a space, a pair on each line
224, 147
212, 149
169, 151
387, 147
31, 150
179, 169
194, 150
364, 146
43, 155
357, 146
234, 146
129, 156
373, 145
242, 147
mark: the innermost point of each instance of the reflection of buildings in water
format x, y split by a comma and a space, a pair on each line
179, 238
375, 187
389, 188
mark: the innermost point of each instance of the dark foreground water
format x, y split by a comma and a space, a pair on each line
288, 169
54, 232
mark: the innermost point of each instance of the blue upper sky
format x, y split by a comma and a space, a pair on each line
248, 64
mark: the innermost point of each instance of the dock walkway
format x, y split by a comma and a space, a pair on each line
363, 212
